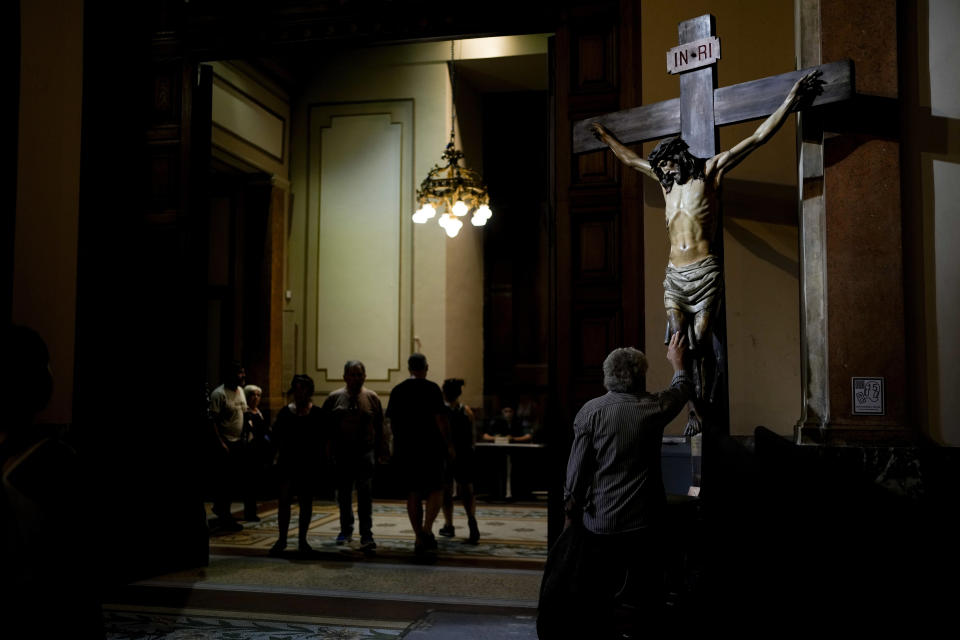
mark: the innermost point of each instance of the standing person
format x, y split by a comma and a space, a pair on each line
508, 424
48, 587
420, 445
504, 468
354, 418
463, 467
256, 442
298, 435
614, 482
227, 406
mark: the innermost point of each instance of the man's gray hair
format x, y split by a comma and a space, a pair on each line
625, 370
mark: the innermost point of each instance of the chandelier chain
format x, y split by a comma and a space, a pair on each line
453, 91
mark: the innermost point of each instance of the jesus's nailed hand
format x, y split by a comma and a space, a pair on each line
809, 86
598, 131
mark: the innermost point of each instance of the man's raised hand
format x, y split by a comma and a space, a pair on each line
676, 351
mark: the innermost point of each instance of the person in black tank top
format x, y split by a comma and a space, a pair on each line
421, 445
463, 467
298, 435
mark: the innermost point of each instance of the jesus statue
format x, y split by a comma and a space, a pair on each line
691, 190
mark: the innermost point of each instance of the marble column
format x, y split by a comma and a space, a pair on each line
852, 309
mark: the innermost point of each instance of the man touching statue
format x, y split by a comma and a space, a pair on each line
691, 189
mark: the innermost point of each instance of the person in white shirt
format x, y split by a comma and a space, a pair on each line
227, 406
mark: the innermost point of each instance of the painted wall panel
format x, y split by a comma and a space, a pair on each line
359, 276
946, 177
245, 118
358, 268
944, 58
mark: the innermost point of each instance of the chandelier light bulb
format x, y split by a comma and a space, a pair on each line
419, 217
453, 227
445, 219
460, 208
477, 220
428, 211
484, 212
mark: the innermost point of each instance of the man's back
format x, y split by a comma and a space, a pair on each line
413, 407
614, 469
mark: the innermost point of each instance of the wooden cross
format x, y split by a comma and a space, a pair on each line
696, 116
702, 107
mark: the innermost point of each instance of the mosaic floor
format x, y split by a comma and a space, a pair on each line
506, 532
382, 581
144, 624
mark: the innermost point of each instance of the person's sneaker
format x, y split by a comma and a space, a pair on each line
344, 537
278, 547
421, 548
430, 541
447, 530
425, 542
474, 533
304, 547
224, 524
367, 544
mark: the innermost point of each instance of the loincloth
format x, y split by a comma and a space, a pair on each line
693, 287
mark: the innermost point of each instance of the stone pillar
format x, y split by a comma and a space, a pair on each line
851, 229
276, 260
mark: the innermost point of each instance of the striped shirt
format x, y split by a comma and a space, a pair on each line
614, 466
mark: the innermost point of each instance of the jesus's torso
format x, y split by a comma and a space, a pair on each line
691, 211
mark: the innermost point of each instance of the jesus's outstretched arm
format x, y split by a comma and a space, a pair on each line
719, 164
626, 156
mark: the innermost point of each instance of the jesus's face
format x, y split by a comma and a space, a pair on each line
671, 171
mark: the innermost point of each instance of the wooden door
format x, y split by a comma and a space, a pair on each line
139, 401
238, 286
597, 276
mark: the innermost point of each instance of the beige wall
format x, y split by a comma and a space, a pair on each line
447, 284
464, 287
48, 180
760, 239
250, 120
934, 152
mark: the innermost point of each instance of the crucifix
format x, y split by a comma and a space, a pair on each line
690, 171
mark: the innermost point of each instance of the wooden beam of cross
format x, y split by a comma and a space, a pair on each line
695, 116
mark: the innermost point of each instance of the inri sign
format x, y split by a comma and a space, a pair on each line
693, 55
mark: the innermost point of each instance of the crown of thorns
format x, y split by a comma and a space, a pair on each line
668, 148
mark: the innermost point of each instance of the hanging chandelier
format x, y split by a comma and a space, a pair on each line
451, 190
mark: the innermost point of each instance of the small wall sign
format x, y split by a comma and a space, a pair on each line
868, 399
